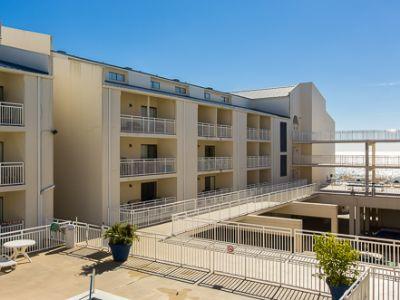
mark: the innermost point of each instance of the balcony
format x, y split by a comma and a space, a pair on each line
11, 114
209, 130
258, 134
214, 163
11, 173
147, 166
145, 125
258, 162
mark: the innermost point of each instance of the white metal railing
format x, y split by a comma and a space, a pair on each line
11, 226
258, 134
148, 216
334, 160
239, 207
146, 125
359, 187
214, 192
45, 238
347, 135
359, 290
214, 163
379, 161
224, 131
12, 173
258, 161
147, 166
148, 203
373, 251
376, 251
213, 257
11, 114
214, 130
375, 284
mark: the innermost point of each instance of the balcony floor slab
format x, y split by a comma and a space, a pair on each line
147, 177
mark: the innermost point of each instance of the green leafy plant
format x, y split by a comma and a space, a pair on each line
338, 260
121, 233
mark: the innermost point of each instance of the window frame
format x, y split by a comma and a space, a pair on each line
153, 83
180, 90
118, 77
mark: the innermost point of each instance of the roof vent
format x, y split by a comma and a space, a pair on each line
61, 51
128, 68
177, 80
209, 88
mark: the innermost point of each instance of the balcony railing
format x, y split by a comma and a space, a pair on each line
258, 134
135, 205
379, 161
214, 130
214, 163
148, 166
258, 161
10, 226
347, 136
11, 114
12, 173
136, 124
215, 192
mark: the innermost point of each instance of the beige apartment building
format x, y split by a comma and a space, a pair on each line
127, 136
26, 129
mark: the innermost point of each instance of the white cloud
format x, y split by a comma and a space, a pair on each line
389, 83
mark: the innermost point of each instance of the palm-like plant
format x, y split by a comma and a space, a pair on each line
121, 233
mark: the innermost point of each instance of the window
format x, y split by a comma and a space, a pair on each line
225, 99
152, 112
1, 93
283, 136
155, 85
116, 76
180, 90
283, 167
209, 183
207, 96
148, 151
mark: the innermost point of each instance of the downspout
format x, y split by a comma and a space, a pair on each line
109, 159
39, 155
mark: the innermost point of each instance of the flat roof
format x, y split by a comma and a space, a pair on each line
13, 66
266, 92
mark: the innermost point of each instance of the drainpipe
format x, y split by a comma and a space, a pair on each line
39, 156
109, 159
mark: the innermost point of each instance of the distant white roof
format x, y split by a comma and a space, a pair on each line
266, 93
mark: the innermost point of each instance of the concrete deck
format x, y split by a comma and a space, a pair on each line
60, 274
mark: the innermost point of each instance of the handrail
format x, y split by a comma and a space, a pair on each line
258, 134
147, 166
214, 163
347, 135
214, 130
11, 114
12, 173
147, 125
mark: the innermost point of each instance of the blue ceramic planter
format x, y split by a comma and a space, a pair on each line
338, 291
120, 252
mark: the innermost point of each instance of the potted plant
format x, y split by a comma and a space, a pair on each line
120, 238
338, 261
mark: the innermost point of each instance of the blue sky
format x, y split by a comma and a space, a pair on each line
349, 49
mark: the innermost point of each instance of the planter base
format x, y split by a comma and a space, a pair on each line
338, 291
120, 252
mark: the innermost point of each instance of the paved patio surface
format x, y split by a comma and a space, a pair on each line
60, 274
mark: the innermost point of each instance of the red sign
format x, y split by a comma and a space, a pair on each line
230, 249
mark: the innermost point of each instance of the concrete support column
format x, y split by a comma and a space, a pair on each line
366, 168
367, 216
351, 219
373, 158
334, 225
358, 220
